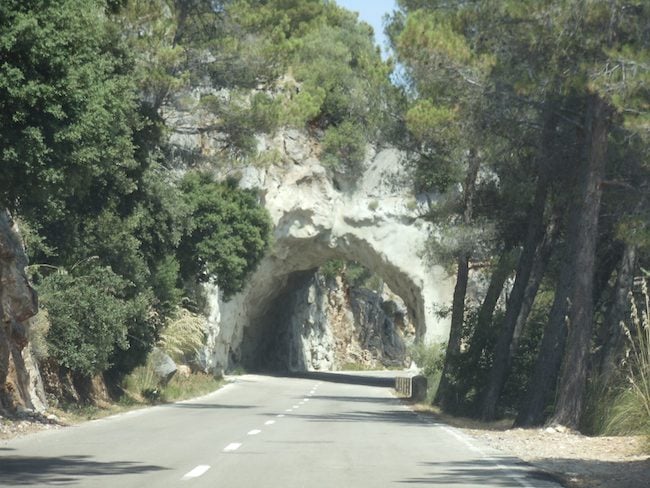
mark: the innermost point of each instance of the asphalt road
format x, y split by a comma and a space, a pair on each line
316, 431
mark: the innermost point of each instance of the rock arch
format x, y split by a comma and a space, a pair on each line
374, 222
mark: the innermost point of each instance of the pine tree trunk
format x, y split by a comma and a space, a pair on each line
478, 341
535, 233
619, 310
502, 359
446, 395
536, 275
568, 409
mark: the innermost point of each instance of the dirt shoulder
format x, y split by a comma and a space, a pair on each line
579, 461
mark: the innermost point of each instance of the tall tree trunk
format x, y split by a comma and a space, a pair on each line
542, 383
478, 342
534, 235
446, 396
568, 409
536, 275
614, 338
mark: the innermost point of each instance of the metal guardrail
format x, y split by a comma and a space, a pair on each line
412, 387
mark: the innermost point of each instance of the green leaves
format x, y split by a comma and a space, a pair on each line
229, 234
88, 316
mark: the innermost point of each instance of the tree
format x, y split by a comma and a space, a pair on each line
229, 234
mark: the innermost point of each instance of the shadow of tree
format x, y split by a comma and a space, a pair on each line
208, 406
39, 471
595, 473
351, 379
360, 416
501, 472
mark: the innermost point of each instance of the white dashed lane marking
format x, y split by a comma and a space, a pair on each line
196, 472
254, 432
280, 415
269, 422
232, 447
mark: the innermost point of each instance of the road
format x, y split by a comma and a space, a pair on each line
316, 431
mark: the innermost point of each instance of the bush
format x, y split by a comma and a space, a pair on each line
183, 335
344, 147
88, 318
430, 359
630, 410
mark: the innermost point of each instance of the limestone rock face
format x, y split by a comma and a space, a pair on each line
320, 214
318, 325
376, 223
20, 383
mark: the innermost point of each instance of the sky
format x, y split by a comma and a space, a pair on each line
371, 11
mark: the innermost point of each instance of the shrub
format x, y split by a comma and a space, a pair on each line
430, 359
183, 335
630, 410
88, 318
344, 147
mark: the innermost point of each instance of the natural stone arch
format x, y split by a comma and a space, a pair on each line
375, 223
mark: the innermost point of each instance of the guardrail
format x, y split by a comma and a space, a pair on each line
412, 387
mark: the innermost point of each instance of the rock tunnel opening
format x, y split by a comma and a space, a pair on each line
317, 321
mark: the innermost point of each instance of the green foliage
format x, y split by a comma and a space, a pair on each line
344, 147
142, 386
630, 411
430, 359
230, 233
331, 269
68, 108
88, 317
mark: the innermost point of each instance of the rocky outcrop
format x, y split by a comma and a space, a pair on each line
321, 326
319, 214
375, 223
20, 384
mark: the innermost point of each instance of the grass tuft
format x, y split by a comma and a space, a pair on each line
630, 410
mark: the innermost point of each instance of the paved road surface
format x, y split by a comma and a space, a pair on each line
316, 431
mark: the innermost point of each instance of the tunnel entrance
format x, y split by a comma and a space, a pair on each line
338, 317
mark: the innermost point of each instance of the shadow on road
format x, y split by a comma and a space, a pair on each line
349, 378
353, 399
208, 406
69, 470
383, 416
509, 472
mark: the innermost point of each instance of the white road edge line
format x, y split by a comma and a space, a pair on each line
232, 447
196, 472
254, 432
520, 478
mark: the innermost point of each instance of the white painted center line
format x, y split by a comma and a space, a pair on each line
254, 432
295, 406
232, 447
280, 415
269, 422
196, 472
289, 410
305, 399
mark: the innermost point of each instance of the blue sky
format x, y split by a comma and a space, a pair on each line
371, 11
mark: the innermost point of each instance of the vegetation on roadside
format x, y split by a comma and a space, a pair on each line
528, 120
629, 411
